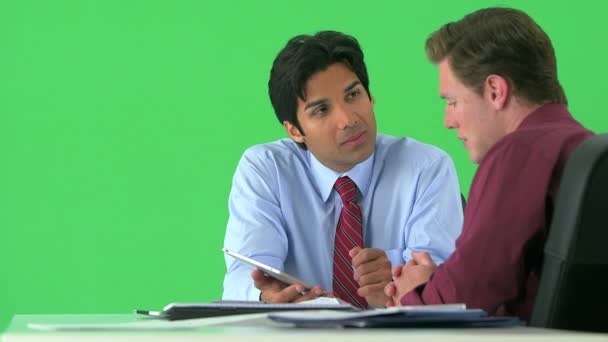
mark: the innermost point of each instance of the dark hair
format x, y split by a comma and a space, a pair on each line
302, 57
501, 41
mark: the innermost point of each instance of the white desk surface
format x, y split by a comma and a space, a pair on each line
253, 328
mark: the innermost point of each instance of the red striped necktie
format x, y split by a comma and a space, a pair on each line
349, 234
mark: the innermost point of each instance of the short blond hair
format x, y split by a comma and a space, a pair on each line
501, 41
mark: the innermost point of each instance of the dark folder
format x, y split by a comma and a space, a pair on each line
397, 318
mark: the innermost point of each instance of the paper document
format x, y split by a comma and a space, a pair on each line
155, 324
323, 301
176, 311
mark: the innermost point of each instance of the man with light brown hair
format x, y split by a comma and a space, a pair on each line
498, 75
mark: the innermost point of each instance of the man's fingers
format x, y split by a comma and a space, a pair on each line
291, 294
315, 292
371, 290
371, 266
287, 295
353, 252
396, 300
397, 270
264, 282
365, 255
422, 258
259, 276
275, 291
381, 276
390, 289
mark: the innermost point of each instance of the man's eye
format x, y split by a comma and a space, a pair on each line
353, 94
320, 111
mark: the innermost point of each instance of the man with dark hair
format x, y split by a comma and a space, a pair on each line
498, 75
335, 205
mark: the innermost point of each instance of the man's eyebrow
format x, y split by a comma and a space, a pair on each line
351, 86
315, 103
324, 100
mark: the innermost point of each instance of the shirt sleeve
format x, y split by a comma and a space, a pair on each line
255, 225
436, 218
504, 217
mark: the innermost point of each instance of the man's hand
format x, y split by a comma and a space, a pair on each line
372, 271
275, 291
416, 272
391, 289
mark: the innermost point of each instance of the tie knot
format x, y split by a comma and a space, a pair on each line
346, 188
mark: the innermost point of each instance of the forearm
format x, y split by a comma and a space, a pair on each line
436, 219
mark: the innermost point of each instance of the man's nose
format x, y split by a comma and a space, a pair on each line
347, 117
448, 118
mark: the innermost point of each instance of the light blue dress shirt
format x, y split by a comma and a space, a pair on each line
284, 210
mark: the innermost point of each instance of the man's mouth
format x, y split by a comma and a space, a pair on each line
355, 139
464, 141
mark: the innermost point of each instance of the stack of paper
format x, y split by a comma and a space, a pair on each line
176, 311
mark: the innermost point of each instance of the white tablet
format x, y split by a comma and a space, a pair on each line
270, 271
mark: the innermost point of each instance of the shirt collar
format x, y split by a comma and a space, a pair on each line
326, 177
544, 114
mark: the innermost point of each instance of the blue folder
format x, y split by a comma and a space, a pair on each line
405, 318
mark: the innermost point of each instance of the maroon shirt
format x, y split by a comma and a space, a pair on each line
498, 258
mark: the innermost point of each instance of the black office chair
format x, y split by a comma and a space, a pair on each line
573, 291
464, 201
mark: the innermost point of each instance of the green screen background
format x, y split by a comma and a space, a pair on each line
121, 124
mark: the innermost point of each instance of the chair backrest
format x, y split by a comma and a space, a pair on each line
464, 201
573, 290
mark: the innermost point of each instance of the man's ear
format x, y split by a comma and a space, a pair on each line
293, 132
497, 91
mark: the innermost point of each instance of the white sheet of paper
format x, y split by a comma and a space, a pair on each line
156, 324
323, 301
